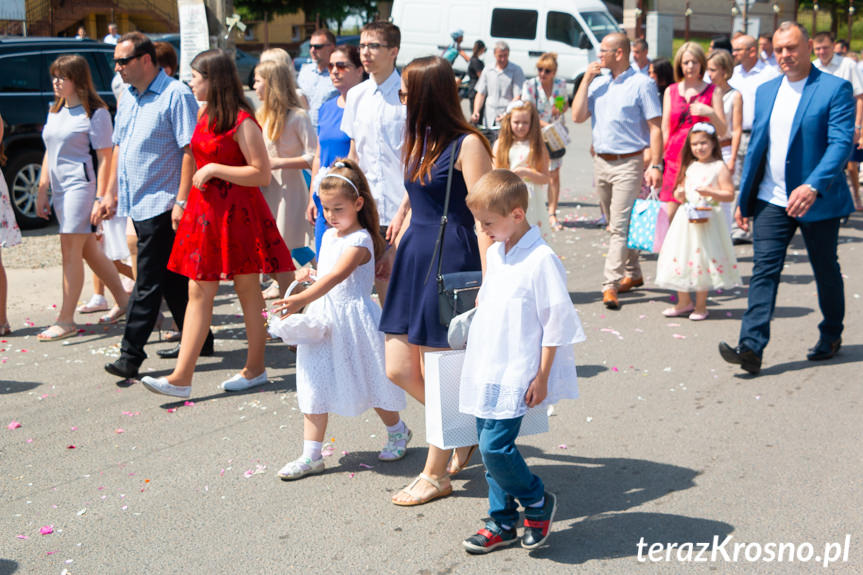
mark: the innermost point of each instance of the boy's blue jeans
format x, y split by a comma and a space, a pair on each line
505, 470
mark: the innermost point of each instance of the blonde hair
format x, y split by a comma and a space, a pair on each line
499, 191
534, 138
723, 60
548, 60
277, 55
351, 183
697, 51
280, 98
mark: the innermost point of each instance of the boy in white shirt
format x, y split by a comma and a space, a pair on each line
519, 355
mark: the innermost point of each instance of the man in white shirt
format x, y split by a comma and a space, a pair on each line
112, 37
793, 179
314, 77
498, 85
845, 68
765, 50
374, 119
749, 73
638, 57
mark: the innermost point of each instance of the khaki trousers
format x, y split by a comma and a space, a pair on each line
618, 183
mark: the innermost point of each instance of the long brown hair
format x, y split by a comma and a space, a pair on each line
368, 214
534, 138
280, 97
225, 96
434, 115
74, 68
687, 158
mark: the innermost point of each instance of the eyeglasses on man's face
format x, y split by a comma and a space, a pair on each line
373, 46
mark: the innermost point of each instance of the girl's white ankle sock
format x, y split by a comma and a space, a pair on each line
397, 428
312, 449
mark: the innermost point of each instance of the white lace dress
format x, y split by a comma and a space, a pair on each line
344, 373
536, 212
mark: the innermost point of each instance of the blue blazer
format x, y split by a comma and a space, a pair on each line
820, 145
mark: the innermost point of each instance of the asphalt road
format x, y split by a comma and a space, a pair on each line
667, 443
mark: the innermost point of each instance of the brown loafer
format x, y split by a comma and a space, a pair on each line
628, 284
609, 299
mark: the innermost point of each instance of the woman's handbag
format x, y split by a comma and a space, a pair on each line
456, 291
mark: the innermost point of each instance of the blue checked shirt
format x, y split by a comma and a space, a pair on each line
151, 130
317, 86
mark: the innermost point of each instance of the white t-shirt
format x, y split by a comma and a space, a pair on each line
374, 119
523, 306
772, 188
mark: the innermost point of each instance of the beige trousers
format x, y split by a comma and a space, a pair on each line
618, 183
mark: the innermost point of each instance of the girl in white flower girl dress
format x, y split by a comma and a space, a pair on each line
697, 254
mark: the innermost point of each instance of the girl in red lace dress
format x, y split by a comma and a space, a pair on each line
227, 230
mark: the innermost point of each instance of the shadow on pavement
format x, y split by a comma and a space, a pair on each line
848, 354
7, 387
7, 566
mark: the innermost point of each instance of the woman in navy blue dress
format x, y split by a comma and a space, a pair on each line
434, 130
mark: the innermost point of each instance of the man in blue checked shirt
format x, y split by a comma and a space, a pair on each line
152, 164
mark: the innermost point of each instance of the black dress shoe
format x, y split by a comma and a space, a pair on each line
122, 367
824, 350
742, 356
174, 352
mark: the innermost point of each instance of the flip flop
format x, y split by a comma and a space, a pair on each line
461, 464
418, 500
112, 317
52, 334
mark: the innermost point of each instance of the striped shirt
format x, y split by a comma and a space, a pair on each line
151, 130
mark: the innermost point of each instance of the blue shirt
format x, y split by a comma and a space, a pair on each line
317, 87
334, 143
619, 110
151, 130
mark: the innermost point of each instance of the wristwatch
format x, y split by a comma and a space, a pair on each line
181, 203
657, 166
814, 191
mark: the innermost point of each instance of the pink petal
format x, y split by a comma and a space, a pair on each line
119, 430
13, 425
678, 336
614, 369
21, 537
562, 446
365, 466
189, 403
70, 447
171, 409
47, 530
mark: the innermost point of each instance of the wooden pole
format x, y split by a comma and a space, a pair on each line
686, 15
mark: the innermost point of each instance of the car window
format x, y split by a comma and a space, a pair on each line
563, 27
21, 73
97, 70
518, 24
600, 23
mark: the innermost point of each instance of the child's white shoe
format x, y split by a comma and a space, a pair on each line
397, 445
300, 467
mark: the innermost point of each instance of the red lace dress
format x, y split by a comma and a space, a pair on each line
226, 229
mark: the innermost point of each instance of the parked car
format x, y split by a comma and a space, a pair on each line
245, 62
572, 28
304, 56
26, 95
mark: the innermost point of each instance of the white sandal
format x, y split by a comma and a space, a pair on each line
300, 467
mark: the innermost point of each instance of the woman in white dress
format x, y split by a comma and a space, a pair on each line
291, 143
77, 122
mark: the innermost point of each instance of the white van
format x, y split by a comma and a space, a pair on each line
572, 28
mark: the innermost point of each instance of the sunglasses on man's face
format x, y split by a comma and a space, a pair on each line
319, 46
340, 66
125, 61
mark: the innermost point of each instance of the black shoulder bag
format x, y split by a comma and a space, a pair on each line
457, 291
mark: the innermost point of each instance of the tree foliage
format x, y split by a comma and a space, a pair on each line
331, 12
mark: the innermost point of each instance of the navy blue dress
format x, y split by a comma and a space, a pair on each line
411, 305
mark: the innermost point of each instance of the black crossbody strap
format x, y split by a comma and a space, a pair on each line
443, 218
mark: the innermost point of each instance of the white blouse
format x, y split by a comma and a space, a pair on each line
523, 306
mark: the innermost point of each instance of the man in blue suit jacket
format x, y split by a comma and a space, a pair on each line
793, 177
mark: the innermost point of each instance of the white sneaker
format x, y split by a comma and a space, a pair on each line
161, 385
240, 383
397, 445
301, 467
97, 303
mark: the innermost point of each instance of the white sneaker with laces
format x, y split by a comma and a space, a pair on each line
300, 467
240, 383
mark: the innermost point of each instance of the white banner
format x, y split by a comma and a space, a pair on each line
13, 10
194, 36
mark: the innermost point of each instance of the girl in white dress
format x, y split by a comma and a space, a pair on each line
697, 254
521, 149
10, 236
340, 351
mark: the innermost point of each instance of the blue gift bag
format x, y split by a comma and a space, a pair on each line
647, 225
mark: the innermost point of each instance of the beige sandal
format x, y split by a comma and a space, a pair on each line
57, 331
460, 465
419, 500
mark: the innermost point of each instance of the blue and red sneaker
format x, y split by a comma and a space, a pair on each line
537, 522
489, 538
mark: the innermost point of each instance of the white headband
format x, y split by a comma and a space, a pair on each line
515, 105
341, 177
703, 127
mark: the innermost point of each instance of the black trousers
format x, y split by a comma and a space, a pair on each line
154, 281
